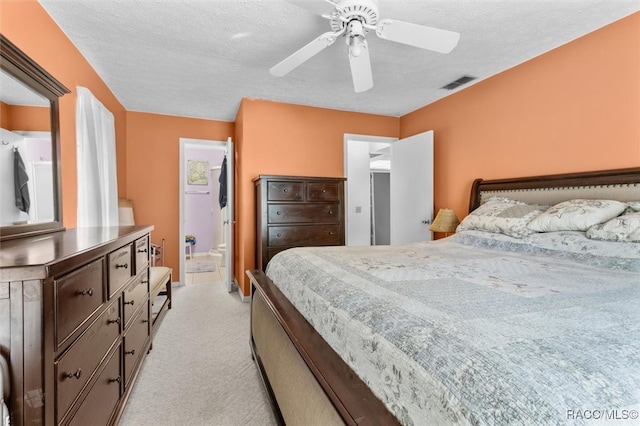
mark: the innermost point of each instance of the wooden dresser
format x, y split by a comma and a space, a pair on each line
296, 211
74, 323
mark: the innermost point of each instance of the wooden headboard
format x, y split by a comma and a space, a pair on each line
618, 184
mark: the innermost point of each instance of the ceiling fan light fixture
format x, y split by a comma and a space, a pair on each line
357, 45
355, 38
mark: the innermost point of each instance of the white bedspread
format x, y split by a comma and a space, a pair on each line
481, 328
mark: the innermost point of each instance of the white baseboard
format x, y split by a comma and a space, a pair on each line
243, 298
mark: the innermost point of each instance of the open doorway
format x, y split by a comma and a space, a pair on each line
389, 189
366, 159
205, 255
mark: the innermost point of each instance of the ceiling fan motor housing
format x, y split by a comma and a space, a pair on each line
365, 11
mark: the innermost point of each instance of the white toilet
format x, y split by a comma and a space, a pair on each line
222, 249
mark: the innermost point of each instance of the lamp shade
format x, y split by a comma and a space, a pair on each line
445, 221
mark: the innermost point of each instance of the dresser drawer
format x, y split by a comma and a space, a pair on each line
76, 366
77, 296
134, 341
120, 269
134, 296
323, 191
304, 213
285, 191
98, 406
141, 247
304, 235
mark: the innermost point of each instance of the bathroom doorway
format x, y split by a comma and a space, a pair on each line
204, 222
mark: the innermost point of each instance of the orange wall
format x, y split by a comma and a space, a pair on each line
576, 108
5, 116
285, 139
30, 28
153, 153
28, 118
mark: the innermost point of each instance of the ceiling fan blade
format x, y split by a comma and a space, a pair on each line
361, 70
319, 7
303, 54
429, 38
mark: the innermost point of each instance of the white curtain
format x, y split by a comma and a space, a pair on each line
96, 153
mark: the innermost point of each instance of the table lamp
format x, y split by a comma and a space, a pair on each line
446, 221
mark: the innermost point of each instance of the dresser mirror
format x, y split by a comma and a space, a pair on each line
30, 183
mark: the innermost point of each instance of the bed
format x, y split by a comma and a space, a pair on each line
497, 324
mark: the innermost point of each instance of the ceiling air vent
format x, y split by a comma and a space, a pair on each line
459, 82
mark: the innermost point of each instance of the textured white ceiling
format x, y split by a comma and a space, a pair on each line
15, 93
199, 58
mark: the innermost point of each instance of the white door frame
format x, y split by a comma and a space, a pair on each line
230, 219
221, 145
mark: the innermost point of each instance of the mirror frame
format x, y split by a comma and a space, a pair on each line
19, 65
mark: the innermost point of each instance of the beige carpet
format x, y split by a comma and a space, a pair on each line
200, 370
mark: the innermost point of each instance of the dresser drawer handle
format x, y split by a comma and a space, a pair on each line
145, 281
331, 233
278, 235
278, 212
286, 190
324, 190
131, 352
142, 251
88, 292
330, 211
114, 321
131, 302
144, 321
122, 265
76, 375
116, 380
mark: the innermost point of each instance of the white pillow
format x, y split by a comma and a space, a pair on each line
621, 228
502, 216
576, 215
632, 206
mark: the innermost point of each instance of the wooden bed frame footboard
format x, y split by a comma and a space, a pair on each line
339, 388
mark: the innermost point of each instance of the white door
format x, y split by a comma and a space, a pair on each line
411, 188
229, 219
41, 184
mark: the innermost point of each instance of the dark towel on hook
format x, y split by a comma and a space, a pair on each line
222, 196
20, 179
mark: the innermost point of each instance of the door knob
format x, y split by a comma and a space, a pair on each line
426, 222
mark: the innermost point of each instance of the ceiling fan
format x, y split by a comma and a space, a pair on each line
353, 19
